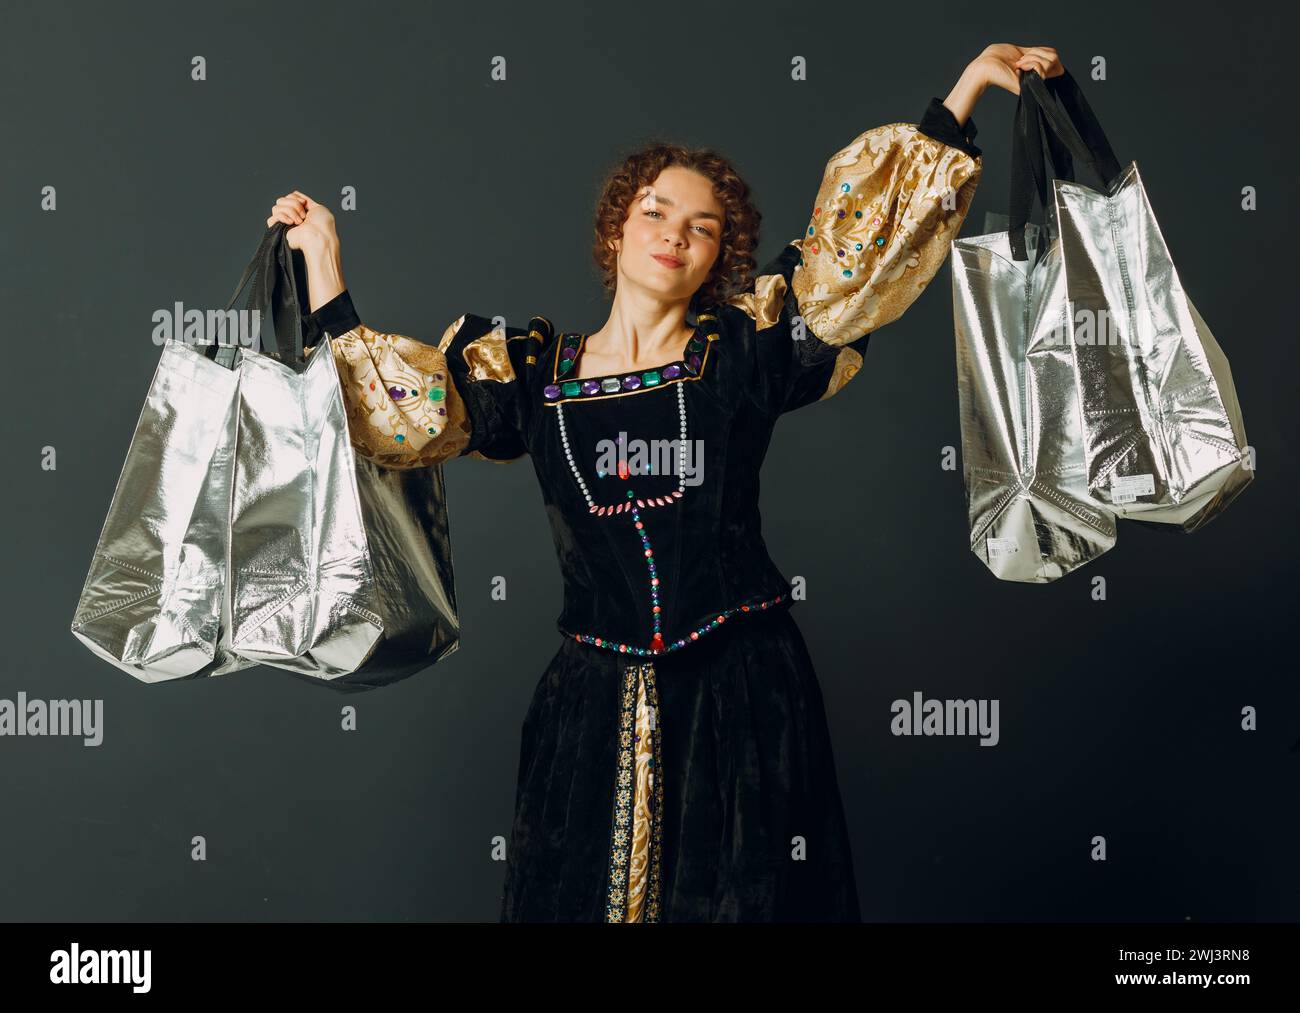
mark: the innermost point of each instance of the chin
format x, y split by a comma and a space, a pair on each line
659, 287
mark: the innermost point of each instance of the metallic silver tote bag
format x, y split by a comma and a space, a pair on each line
1176, 453
1031, 518
341, 571
154, 601
1163, 435
1058, 428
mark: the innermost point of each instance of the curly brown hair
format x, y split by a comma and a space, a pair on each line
734, 268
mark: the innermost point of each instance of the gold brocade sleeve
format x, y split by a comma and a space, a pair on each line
404, 411
889, 205
887, 209
412, 404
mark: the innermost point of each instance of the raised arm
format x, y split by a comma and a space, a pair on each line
411, 404
882, 220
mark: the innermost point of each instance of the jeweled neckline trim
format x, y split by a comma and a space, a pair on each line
689, 367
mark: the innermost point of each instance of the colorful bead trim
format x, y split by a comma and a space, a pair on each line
614, 645
623, 826
651, 501
688, 368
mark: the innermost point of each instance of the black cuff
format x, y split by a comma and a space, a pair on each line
939, 123
338, 316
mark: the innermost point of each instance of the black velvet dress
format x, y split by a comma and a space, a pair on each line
676, 763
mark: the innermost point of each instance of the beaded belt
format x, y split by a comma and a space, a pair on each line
658, 646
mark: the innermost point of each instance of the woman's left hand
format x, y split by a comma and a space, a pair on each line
1002, 63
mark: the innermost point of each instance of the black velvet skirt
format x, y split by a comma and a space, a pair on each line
698, 786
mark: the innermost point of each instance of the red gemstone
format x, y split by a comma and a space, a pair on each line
622, 469
657, 642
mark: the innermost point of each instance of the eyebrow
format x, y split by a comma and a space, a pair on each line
672, 204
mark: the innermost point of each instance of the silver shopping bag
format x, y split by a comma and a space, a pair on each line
1031, 518
1163, 437
340, 571
154, 602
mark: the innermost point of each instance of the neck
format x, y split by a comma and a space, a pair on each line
642, 327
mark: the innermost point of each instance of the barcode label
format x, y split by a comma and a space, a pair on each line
999, 547
1127, 488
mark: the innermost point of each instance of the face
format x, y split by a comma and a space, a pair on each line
675, 218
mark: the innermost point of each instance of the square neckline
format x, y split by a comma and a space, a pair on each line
566, 387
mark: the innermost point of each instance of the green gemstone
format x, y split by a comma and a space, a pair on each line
571, 388
565, 364
650, 377
436, 394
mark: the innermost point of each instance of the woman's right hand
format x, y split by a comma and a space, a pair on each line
313, 223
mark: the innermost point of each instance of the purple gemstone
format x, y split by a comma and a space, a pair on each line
694, 360
396, 393
441, 411
631, 382
670, 372
568, 353
590, 386
551, 390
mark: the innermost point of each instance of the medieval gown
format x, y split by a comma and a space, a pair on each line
676, 763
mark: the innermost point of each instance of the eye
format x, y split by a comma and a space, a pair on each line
704, 229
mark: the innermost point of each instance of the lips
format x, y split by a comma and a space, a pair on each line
667, 261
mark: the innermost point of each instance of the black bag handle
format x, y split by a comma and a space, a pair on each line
1055, 113
274, 288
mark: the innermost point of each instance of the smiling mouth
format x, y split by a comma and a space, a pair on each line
667, 261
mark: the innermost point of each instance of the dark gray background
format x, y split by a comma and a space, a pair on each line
1118, 718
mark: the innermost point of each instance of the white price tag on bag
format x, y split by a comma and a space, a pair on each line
1127, 488
999, 547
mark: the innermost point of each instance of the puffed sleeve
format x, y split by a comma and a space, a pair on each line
889, 205
412, 404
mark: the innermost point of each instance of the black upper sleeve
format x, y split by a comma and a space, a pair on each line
939, 123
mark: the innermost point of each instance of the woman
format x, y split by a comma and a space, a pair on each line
676, 763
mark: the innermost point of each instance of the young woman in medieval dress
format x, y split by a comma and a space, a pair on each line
676, 763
